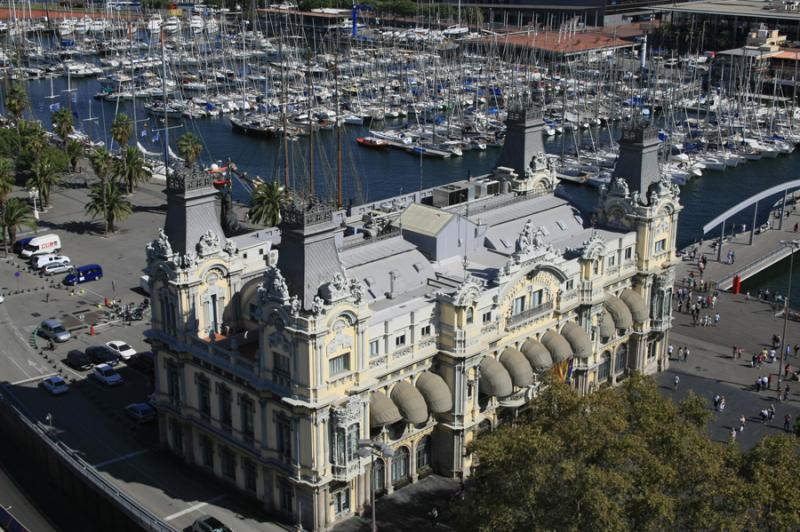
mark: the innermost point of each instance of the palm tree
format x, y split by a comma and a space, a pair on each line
7, 172
15, 213
107, 201
16, 101
74, 151
189, 148
102, 163
130, 169
45, 176
62, 123
32, 137
122, 129
265, 204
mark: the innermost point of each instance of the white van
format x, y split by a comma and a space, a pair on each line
40, 261
41, 245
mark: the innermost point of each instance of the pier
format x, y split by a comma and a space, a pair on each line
755, 248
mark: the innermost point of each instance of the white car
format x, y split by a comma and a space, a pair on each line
107, 375
56, 267
55, 385
119, 347
40, 261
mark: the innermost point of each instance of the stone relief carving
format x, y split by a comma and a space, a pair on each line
356, 290
340, 341
318, 306
230, 248
208, 244
273, 287
348, 413
619, 187
594, 247
160, 248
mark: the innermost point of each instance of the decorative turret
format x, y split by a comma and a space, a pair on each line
638, 158
191, 210
523, 140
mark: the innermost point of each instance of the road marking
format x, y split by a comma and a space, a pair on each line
192, 508
120, 458
31, 379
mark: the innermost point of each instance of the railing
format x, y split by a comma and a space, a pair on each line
356, 242
347, 471
755, 266
493, 202
130, 506
526, 316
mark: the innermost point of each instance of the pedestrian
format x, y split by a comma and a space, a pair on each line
786, 393
764, 383
796, 349
787, 422
739, 352
758, 384
47, 297
786, 369
747, 296
722, 404
716, 319
771, 412
796, 227
742, 421
764, 414
717, 399
788, 351
733, 353
733, 434
685, 354
680, 353
776, 340
675, 382
714, 302
434, 515
733, 256
669, 350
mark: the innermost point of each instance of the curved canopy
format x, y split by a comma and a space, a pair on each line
636, 305
382, 411
578, 339
436, 392
620, 312
410, 403
607, 326
558, 346
519, 368
537, 354
495, 380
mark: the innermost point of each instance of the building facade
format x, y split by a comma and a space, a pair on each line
417, 322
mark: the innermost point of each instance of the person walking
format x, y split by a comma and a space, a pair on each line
771, 412
669, 351
733, 434
758, 384
742, 421
787, 422
786, 393
716, 319
675, 382
733, 352
716, 402
680, 353
722, 404
685, 354
434, 515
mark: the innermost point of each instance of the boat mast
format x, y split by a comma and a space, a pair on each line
339, 125
310, 128
164, 95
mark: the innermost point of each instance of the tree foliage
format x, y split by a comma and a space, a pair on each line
130, 169
189, 148
15, 213
265, 204
17, 100
121, 130
106, 201
62, 123
624, 459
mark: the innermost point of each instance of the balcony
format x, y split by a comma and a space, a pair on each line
526, 316
567, 300
346, 472
514, 400
232, 351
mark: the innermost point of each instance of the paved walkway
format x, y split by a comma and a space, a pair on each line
765, 251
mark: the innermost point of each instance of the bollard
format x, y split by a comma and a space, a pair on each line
91, 329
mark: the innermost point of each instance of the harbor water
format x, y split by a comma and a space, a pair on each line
371, 175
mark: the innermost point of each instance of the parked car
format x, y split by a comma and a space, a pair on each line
40, 245
107, 375
84, 274
55, 385
56, 267
101, 354
40, 261
78, 360
53, 329
141, 412
124, 351
208, 523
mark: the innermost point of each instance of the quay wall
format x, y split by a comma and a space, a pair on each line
74, 494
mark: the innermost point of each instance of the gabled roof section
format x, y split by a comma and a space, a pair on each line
424, 220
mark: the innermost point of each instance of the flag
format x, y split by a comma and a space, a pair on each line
55, 107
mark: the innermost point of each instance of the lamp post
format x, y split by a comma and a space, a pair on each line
33, 194
372, 448
795, 245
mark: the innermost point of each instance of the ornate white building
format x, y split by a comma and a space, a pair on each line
417, 321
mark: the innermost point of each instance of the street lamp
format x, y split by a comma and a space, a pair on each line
33, 194
795, 245
373, 448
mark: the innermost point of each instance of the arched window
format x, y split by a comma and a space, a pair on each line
424, 453
379, 475
400, 465
622, 359
604, 369
470, 315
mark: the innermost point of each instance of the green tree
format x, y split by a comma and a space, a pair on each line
265, 204
7, 174
17, 101
772, 484
45, 175
74, 151
15, 213
107, 201
189, 148
130, 169
32, 142
62, 123
622, 458
102, 163
121, 130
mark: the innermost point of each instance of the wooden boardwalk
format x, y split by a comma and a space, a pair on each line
749, 259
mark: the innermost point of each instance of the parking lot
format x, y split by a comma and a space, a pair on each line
90, 418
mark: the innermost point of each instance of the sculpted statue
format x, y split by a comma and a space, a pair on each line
318, 306
208, 244
160, 247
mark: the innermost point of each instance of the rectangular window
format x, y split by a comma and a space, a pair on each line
651, 350
225, 415
425, 331
570, 284
400, 340
283, 434
341, 501
661, 245
603, 370
622, 361
249, 475
339, 364
518, 305
537, 298
204, 396
612, 260
207, 450
374, 348
247, 411
173, 384
228, 463
281, 363
628, 253
487, 317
